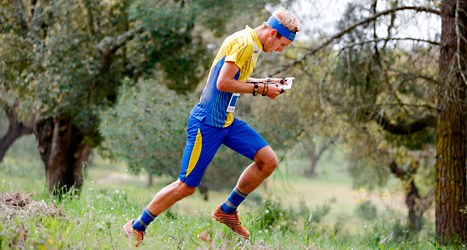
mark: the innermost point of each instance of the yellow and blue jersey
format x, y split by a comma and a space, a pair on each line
216, 107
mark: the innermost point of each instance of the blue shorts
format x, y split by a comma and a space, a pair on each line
204, 140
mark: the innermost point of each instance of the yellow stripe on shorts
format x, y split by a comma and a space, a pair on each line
195, 153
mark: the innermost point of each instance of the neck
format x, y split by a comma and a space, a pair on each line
262, 33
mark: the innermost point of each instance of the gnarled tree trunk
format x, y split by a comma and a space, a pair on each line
63, 152
451, 155
16, 129
415, 204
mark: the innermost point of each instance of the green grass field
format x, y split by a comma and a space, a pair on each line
289, 211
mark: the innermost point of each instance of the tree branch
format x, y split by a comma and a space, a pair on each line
348, 29
90, 20
391, 39
20, 16
110, 45
406, 128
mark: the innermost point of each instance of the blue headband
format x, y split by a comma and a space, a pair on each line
281, 28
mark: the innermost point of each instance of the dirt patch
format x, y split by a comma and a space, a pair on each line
17, 208
22, 204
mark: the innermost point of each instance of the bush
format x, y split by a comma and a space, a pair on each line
366, 210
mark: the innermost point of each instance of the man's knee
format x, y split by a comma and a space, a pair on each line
266, 160
183, 190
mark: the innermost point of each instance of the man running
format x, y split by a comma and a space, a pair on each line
212, 123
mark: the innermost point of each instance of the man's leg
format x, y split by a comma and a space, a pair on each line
202, 143
164, 199
265, 163
167, 196
246, 141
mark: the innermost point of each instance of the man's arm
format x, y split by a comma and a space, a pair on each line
227, 83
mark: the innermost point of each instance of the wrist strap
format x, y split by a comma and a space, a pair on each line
265, 89
255, 91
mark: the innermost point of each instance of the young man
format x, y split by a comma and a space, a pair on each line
212, 123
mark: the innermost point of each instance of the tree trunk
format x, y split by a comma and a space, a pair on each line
314, 162
416, 205
63, 152
16, 129
150, 180
451, 192
203, 189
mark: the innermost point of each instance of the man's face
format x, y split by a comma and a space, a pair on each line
274, 44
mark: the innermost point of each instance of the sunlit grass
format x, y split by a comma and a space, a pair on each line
289, 211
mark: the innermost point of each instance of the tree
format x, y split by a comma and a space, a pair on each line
16, 128
451, 153
402, 95
64, 61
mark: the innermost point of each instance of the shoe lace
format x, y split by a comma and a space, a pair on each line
232, 219
139, 235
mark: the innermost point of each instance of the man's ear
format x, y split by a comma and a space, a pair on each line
273, 33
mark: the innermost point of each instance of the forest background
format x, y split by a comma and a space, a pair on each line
376, 114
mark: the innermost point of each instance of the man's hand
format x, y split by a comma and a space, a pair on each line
273, 91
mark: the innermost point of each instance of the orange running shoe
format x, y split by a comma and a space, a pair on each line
231, 220
133, 234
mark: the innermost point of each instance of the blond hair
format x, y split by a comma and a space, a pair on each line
287, 19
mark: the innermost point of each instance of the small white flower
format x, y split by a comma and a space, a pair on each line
126, 170
92, 181
266, 231
280, 214
267, 211
295, 223
111, 208
270, 226
116, 191
260, 231
364, 226
90, 188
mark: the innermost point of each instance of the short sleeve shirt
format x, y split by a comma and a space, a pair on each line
241, 48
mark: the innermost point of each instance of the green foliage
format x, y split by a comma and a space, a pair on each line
146, 128
374, 82
366, 210
272, 213
66, 58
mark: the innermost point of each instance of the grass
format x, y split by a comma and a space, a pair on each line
289, 211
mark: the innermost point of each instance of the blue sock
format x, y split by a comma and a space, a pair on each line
143, 220
230, 205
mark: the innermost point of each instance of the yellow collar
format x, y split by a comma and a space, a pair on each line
254, 36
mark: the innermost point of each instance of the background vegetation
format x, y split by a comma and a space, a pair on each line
96, 96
